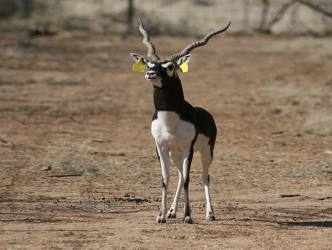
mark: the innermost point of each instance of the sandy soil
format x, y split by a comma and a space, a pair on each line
78, 168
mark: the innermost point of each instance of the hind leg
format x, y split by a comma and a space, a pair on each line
206, 156
186, 163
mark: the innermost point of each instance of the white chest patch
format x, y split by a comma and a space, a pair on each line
171, 132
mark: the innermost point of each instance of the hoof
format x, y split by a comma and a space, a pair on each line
171, 215
161, 220
210, 217
187, 220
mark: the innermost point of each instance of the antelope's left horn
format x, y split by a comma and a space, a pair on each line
146, 41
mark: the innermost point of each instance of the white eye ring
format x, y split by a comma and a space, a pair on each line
170, 66
166, 65
151, 65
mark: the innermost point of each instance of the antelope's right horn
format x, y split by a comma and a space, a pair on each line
195, 45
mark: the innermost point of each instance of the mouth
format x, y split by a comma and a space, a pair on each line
155, 80
147, 77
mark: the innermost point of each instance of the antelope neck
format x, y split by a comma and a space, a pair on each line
169, 97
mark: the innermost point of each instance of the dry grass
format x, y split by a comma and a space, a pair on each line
68, 159
318, 123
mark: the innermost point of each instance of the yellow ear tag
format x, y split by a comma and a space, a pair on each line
184, 66
139, 66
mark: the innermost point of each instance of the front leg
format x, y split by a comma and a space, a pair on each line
177, 161
163, 155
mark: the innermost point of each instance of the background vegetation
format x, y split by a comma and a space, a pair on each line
177, 18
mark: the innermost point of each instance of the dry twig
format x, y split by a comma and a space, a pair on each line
109, 210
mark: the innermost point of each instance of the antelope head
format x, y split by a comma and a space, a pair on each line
159, 71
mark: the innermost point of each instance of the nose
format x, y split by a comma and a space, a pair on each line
151, 74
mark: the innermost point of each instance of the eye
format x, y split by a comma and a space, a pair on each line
170, 67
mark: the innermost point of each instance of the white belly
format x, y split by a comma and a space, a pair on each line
174, 134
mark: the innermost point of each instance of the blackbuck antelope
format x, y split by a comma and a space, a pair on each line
178, 128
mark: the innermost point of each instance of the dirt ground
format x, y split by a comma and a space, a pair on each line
78, 168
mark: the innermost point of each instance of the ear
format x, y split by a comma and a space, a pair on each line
137, 57
183, 59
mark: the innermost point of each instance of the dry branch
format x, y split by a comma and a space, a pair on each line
319, 7
266, 28
323, 7
279, 15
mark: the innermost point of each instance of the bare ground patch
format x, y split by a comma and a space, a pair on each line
78, 165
